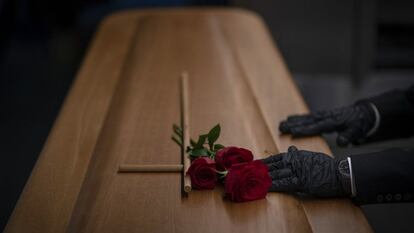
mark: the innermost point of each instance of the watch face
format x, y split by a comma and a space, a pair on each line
345, 177
343, 167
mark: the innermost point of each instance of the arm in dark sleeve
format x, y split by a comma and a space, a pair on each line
384, 177
396, 114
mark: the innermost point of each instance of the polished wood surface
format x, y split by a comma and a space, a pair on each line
151, 168
120, 111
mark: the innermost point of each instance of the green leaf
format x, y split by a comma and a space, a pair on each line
201, 140
176, 140
218, 147
192, 142
178, 130
199, 152
213, 135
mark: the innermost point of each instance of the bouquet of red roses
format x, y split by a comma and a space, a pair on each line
244, 178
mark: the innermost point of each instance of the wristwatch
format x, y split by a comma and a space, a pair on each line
345, 176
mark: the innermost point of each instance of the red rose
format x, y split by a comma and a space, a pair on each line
228, 156
247, 181
203, 173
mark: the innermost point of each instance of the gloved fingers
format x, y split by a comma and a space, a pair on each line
349, 135
295, 121
292, 149
324, 126
280, 173
280, 161
275, 166
300, 117
306, 130
306, 153
288, 184
273, 158
320, 115
291, 153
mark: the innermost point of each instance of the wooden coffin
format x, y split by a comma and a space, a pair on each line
120, 111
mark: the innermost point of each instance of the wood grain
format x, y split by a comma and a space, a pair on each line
120, 111
150, 168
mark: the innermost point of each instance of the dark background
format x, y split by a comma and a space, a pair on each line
337, 50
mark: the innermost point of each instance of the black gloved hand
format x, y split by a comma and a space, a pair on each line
309, 172
352, 123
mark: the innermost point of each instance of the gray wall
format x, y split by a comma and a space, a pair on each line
314, 36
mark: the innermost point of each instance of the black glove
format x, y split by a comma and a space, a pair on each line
352, 123
309, 172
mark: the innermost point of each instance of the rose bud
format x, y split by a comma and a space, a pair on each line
228, 156
247, 181
203, 173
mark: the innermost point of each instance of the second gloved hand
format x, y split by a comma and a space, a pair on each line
309, 172
352, 123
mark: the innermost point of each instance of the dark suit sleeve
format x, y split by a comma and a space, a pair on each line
384, 177
396, 110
